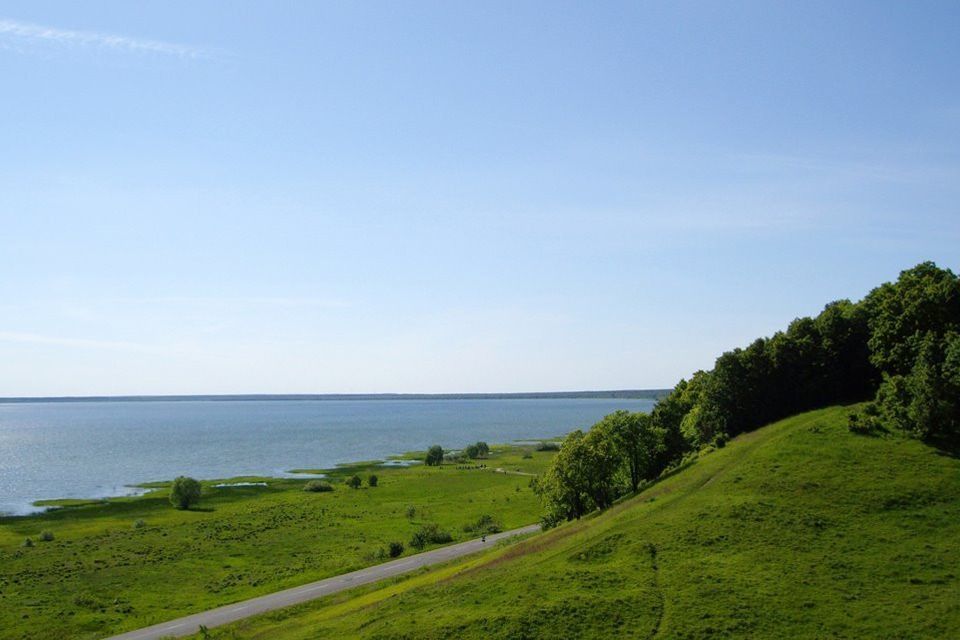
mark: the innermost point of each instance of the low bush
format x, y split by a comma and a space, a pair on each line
429, 534
395, 549
866, 423
411, 512
548, 446
418, 541
317, 486
373, 480
46, 536
354, 482
484, 524
139, 524
27, 542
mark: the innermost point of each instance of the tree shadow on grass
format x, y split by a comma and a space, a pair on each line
947, 445
953, 452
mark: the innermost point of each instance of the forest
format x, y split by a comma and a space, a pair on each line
896, 351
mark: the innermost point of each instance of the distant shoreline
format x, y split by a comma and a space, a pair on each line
652, 394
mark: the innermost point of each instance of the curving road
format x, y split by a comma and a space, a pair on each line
237, 611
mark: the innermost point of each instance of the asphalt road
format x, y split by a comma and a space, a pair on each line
237, 611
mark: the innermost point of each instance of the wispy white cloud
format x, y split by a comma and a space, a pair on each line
86, 343
14, 34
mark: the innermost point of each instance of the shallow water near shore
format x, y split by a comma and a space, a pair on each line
97, 449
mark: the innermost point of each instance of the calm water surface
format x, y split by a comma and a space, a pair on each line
98, 449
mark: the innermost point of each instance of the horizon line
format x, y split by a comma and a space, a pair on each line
614, 393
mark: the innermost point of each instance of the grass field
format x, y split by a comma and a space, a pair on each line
798, 530
102, 575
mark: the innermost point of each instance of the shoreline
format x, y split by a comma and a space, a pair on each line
89, 451
40, 507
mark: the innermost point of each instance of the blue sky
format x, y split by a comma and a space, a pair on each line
438, 197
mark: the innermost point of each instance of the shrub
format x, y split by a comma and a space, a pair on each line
429, 534
434, 456
184, 492
318, 486
854, 424
139, 524
27, 542
484, 524
373, 480
418, 541
354, 482
395, 549
866, 423
411, 512
527, 455
46, 536
548, 446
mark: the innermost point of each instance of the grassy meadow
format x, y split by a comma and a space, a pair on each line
104, 572
797, 530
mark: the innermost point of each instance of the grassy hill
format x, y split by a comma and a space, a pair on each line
797, 530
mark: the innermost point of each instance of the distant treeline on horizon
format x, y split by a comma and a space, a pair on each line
627, 394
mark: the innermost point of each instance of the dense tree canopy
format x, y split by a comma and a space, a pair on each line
582, 477
638, 442
914, 329
899, 346
925, 299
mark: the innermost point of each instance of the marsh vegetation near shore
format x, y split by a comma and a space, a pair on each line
121, 564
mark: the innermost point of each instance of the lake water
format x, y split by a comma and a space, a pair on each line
99, 449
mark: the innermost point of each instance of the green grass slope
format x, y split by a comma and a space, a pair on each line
797, 530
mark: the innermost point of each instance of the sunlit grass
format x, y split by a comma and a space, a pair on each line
798, 530
103, 574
